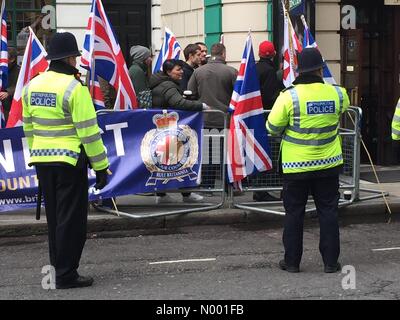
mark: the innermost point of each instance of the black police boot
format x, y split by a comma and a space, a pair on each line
283, 266
333, 269
263, 196
79, 282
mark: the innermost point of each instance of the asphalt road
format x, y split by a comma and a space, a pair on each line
237, 262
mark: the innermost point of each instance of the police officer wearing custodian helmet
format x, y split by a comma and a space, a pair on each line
307, 115
64, 138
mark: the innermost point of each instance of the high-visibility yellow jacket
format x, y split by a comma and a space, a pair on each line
396, 123
307, 116
59, 118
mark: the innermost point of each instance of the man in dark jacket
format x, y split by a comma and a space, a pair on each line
204, 53
192, 55
270, 86
6, 96
213, 83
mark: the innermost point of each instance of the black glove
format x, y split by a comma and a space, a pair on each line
101, 179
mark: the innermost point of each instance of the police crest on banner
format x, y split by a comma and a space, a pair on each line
170, 151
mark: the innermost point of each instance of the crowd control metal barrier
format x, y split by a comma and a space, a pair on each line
213, 182
375, 193
271, 181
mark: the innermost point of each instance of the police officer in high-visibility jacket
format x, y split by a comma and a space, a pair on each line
307, 115
396, 123
64, 138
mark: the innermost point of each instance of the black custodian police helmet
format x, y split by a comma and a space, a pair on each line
310, 59
63, 45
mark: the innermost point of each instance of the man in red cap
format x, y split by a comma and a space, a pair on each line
270, 88
269, 84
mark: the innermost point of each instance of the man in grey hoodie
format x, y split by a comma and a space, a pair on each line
139, 72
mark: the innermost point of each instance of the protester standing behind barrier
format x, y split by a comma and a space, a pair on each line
63, 136
213, 83
204, 53
270, 88
7, 95
167, 94
308, 115
192, 54
138, 72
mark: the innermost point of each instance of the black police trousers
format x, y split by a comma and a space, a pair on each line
65, 191
325, 191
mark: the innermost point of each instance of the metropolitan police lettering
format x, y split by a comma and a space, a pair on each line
43, 99
321, 107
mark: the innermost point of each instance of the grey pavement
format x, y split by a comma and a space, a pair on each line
23, 223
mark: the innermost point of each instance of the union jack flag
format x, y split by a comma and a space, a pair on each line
248, 147
309, 42
3, 60
33, 63
291, 45
170, 49
103, 57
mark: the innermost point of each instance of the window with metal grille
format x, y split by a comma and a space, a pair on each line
22, 14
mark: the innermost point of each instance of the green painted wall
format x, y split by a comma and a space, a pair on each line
270, 18
212, 21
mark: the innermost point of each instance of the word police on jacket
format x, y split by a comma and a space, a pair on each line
321, 107
41, 99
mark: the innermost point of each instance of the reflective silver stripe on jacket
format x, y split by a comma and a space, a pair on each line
296, 107
28, 134
86, 123
275, 128
67, 95
26, 95
52, 122
296, 119
395, 131
396, 118
27, 120
55, 133
54, 152
91, 139
313, 130
319, 142
98, 158
341, 99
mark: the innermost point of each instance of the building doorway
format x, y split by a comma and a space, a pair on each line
371, 72
131, 20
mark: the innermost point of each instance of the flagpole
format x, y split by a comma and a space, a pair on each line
92, 73
291, 49
303, 19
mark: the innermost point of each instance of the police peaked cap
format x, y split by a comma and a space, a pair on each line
63, 45
310, 59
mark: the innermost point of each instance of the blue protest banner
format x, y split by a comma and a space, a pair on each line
148, 150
